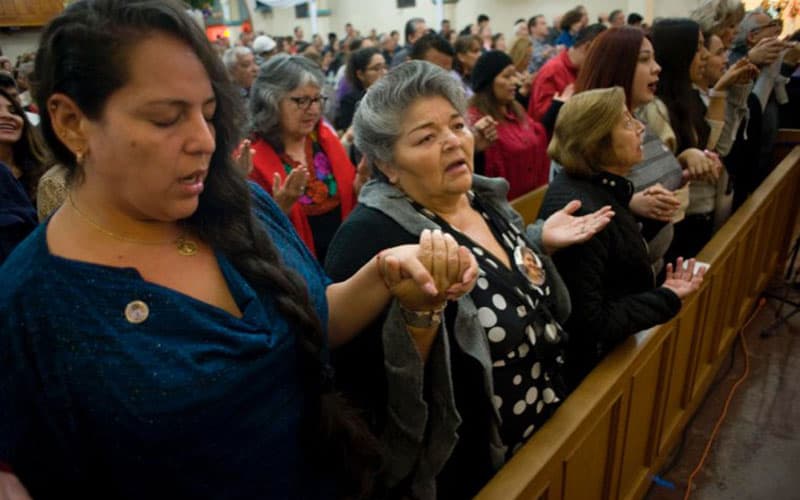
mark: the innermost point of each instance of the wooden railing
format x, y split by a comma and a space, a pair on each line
619, 426
28, 12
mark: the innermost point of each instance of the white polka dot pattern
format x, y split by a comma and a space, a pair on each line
487, 317
497, 334
532, 394
498, 401
536, 371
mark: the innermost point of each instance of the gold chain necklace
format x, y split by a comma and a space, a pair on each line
185, 246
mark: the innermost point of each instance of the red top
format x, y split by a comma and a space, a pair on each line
519, 154
554, 76
267, 163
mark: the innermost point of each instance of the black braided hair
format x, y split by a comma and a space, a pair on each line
82, 54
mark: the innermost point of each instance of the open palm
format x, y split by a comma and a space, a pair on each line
563, 229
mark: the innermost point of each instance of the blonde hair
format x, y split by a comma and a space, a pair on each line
582, 137
713, 15
519, 52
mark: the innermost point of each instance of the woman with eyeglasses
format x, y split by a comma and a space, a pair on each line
365, 67
612, 287
298, 157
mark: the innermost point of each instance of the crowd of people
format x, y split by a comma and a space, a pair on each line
290, 269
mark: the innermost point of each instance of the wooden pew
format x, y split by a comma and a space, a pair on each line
528, 205
620, 425
29, 13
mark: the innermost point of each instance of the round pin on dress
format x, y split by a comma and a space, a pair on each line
137, 312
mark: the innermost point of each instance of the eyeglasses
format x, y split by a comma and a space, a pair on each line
775, 23
305, 102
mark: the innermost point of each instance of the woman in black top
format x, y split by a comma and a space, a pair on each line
365, 67
611, 284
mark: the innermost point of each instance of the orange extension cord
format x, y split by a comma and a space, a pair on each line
703, 458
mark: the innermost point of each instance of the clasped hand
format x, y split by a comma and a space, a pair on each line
423, 277
656, 202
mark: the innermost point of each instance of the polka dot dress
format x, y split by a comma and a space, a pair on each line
525, 341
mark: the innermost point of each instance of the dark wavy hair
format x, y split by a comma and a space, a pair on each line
611, 61
83, 53
359, 61
30, 154
675, 42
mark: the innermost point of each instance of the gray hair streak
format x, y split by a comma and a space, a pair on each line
232, 55
276, 78
711, 14
745, 27
378, 120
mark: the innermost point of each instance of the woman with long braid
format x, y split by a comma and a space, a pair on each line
165, 334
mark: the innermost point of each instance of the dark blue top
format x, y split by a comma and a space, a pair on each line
566, 39
17, 213
191, 403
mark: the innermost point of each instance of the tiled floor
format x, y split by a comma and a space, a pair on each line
757, 451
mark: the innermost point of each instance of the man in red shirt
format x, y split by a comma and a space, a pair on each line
560, 71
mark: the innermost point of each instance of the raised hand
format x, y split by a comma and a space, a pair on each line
743, 71
563, 229
683, 281
656, 202
766, 51
243, 156
485, 132
286, 193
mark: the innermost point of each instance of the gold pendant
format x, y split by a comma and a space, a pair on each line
186, 248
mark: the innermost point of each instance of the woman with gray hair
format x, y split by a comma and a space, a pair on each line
719, 17
453, 391
298, 157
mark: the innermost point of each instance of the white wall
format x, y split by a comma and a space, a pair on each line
19, 42
384, 16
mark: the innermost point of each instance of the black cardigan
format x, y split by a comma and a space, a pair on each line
609, 278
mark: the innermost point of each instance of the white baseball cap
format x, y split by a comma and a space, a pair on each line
263, 43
